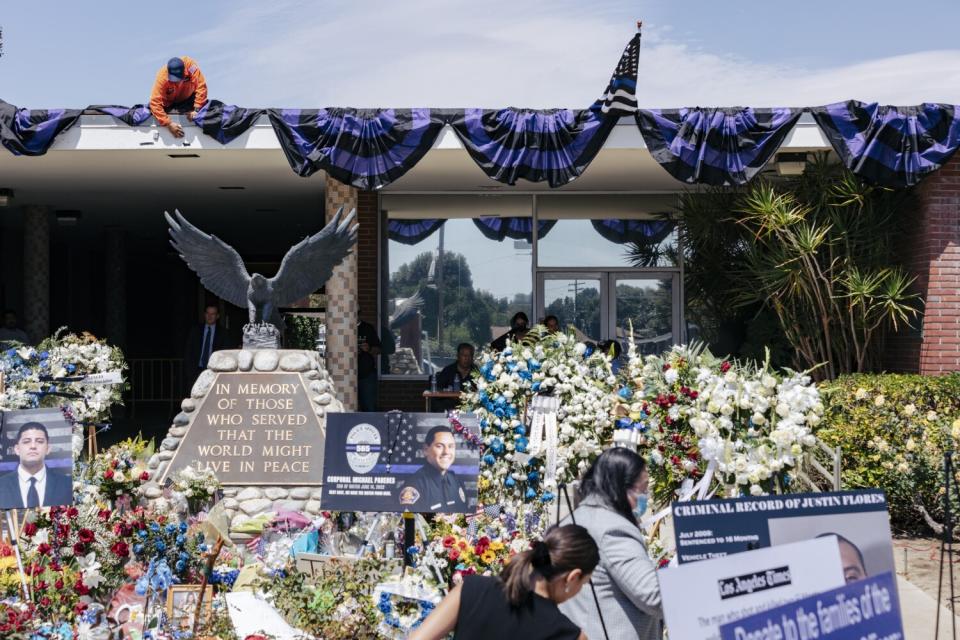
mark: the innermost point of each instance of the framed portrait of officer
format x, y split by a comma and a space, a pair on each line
395, 462
36, 459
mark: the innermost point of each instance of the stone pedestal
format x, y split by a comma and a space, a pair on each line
245, 499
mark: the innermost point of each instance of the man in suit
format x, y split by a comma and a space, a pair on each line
202, 341
435, 488
34, 484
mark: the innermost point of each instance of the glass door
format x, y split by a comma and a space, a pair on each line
577, 300
649, 303
603, 305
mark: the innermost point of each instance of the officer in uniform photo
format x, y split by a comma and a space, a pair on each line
434, 488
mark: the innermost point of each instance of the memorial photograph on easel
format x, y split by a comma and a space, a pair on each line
36, 459
393, 462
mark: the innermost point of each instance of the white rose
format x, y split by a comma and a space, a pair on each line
910, 409
861, 394
931, 416
755, 490
730, 376
671, 376
879, 400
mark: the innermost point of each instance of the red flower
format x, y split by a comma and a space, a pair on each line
59, 583
103, 515
30, 529
724, 366
5, 550
80, 588
114, 463
42, 585
87, 536
45, 601
79, 608
79, 548
482, 545
666, 366
694, 394
72, 512
448, 541
120, 549
454, 555
44, 549
108, 474
145, 476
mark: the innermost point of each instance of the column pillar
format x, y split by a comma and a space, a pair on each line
35, 316
341, 312
116, 287
931, 251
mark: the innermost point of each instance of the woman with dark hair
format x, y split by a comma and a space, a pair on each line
613, 496
519, 326
522, 602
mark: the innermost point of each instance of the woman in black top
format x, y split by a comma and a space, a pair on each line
522, 602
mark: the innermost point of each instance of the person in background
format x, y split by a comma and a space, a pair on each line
523, 601
368, 343
202, 340
552, 323
179, 86
459, 372
11, 332
613, 495
519, 325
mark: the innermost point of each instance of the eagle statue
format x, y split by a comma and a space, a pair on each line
306, 267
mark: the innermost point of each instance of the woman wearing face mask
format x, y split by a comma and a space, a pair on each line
613, 496
522, 602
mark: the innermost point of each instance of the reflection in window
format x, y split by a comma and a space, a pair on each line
609, 242
451, 281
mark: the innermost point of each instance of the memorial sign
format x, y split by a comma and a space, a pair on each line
255, 429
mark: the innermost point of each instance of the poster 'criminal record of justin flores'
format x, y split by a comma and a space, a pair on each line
858, 519
255, 429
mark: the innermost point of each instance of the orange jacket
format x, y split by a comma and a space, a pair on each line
166, 93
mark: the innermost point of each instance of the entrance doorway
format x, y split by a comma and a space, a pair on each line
601, 305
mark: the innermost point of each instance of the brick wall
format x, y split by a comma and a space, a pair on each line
932, 253
368, 243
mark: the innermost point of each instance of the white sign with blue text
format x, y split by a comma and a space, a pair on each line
736, 586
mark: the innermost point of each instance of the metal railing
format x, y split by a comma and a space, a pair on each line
155, 380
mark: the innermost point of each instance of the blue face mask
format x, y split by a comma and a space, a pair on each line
641, 507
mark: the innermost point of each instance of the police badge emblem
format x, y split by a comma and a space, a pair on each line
409, 495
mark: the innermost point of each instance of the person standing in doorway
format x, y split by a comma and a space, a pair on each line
368, 344
179, 86
203, 340
11, 332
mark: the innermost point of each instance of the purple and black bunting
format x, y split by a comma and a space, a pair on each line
366, 148
642, 232
715, 146
412, 231
133, 116
891, 146
552, 145
30, 132
225, 122
516, 228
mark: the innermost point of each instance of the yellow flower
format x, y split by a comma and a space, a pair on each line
496, 545
955, 429
488, 556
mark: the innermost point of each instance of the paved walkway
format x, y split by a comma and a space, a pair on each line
919, 612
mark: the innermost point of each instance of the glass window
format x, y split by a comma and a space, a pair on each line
646, 304
607, 231
458, 268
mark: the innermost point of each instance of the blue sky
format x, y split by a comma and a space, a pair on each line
495, 53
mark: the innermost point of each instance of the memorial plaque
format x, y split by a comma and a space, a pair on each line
255, 429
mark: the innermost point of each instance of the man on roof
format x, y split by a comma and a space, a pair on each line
179, 86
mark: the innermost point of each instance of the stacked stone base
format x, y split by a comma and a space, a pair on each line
245, 503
